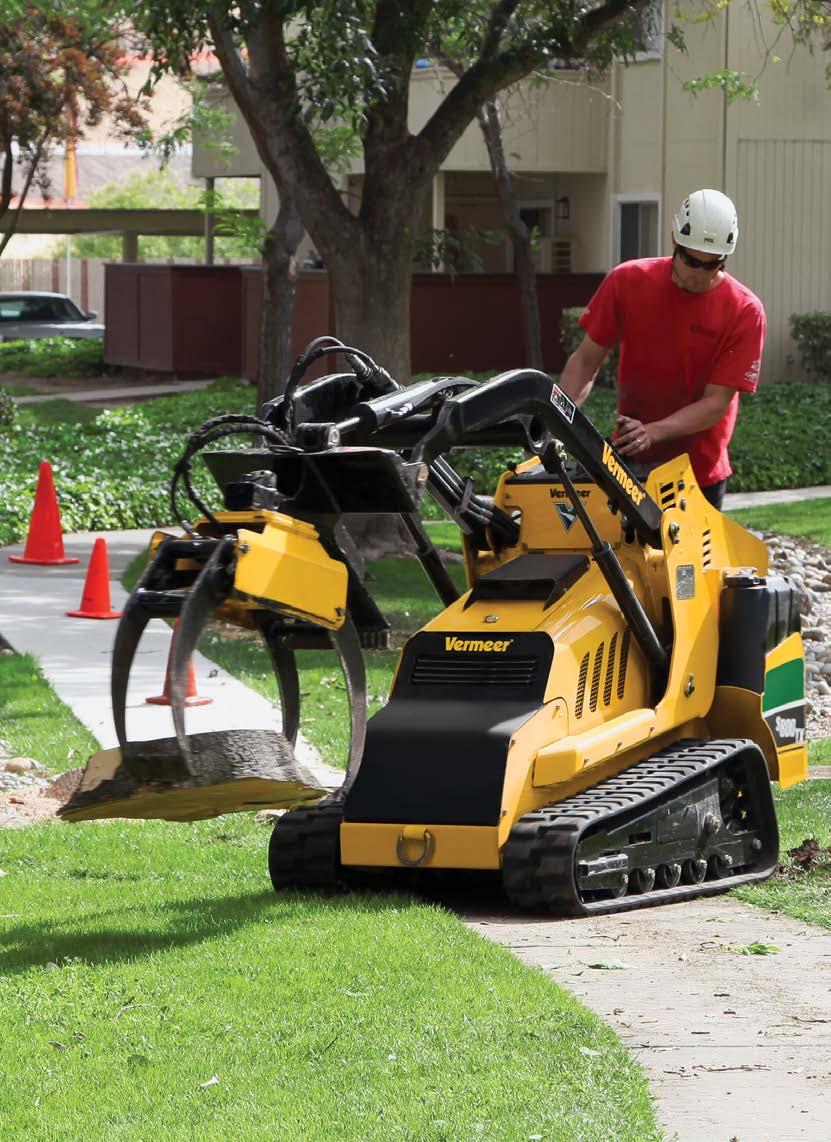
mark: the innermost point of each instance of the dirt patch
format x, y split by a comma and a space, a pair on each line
807, 856
30, 804
26, 807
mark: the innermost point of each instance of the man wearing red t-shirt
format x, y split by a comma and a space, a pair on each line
691, 340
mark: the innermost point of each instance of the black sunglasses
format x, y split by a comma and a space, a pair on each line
696, 263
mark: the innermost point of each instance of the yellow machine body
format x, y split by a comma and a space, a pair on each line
596, 718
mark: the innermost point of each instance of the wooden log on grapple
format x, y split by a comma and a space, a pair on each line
232, 771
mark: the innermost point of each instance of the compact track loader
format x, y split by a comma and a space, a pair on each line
597, 719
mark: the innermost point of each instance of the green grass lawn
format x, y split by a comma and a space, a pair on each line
803, 811
809, 518
152, 984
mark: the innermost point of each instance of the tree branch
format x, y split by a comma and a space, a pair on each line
267, 97
10, 232
8, 173
596, 19
490, 74
500, 16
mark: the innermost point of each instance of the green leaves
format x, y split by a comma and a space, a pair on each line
734, 84
112, 471
812, 333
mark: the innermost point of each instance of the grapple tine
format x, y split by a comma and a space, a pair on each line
347, 644
134, 618
210, 589
284, 663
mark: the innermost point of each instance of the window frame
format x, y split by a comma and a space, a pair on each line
647, 198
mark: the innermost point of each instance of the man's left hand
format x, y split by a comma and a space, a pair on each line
632, 437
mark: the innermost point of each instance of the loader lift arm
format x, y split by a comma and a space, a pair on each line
550, 422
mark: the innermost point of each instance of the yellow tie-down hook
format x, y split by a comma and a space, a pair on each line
414, 835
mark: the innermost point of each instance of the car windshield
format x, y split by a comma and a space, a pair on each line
57, 309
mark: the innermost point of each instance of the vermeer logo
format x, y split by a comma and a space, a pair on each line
619, 472
488, 645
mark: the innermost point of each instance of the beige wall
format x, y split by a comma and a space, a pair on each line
560, 127
778, 164
243, 161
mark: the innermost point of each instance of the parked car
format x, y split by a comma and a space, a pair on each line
32, 315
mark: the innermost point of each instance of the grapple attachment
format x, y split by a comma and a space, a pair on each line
271, 574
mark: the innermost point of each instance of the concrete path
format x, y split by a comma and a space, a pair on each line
116, 392
736, 1047
75, 654
735, 500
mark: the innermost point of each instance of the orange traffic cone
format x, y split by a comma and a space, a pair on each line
191, 696
95, 601
44, 543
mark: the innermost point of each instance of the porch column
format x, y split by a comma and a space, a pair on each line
129, 246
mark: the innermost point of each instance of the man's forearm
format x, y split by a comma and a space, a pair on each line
696, 417
577, 378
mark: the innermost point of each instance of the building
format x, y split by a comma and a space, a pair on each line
601, 167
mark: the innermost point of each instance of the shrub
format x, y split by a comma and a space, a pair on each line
7, 411
55, 357
571, 334
812, 333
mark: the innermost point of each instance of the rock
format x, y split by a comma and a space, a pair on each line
20, 765
815, 634
822, 687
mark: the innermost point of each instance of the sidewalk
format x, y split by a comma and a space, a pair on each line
75, 654
735, 500
116, 392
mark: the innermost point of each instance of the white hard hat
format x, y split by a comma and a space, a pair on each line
707, 221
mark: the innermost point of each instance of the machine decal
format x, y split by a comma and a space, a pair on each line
568, 516
614, 465
783, 703
561, 494
787, 724
685, 581
565, 405
487, 645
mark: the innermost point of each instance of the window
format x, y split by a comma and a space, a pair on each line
649, 34
635, 228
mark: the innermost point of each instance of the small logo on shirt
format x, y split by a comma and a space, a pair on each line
703, 330
752, 374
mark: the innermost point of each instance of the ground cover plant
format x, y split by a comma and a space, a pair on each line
152, 983
113, 467
55, 357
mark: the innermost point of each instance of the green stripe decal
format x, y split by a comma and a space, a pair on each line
785, 683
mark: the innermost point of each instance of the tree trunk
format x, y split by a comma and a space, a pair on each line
371, 287
518, 231
279, 281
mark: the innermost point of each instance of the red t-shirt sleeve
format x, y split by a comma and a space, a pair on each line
601, 318
740, 357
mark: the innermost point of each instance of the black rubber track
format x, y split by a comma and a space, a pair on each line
539, 859
304, 850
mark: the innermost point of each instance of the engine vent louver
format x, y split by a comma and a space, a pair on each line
477, 670
598, 664
666, 496
624, 658
610, 671
706, 548
581, 686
